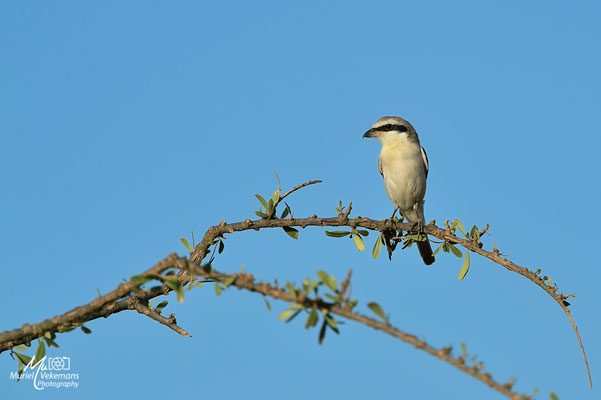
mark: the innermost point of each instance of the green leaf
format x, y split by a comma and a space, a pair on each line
285, 212
51, 343
337, 233
221, 247
285, 314
331, 322
217, 288
40, 352
86, 330
260, 214
465, 267
293, 316
375, 307
363, 232
312, 318
276, 196
322, 332
438, 249
327, 280
334, 298
460, 226
20, 369
292, 232
49, 338
180, 294
186, 244
291, 289
359, 242
262, 200
20, 347
172, 284
267, 304
455, 251
24, 358
161, 305
229, 281
375, 253
271, 205
417, 237
553, 396
138, 280
475, 233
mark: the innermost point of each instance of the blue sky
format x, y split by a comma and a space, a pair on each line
125, 126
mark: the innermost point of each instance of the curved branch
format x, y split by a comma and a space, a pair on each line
297, 187
202, 249
106, 305
79, 315
247, 282
170, 322
126, 296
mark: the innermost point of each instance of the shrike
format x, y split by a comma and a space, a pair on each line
404, 165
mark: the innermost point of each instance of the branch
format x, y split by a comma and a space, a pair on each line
202, 249
130, 296
101, 306
153, 314
245, 281
297, 187
105, 306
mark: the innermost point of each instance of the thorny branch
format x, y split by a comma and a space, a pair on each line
246, 282
129, 296
153, 314
105, 306
201, 250
297, 187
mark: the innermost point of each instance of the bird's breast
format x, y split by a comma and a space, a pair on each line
404, 174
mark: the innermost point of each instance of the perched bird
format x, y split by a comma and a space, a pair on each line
404, 165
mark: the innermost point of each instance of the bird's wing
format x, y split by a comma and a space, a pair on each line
380, 166
425, 158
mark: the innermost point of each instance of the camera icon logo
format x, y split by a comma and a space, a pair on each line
59, 363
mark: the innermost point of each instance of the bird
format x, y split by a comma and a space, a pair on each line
403, 164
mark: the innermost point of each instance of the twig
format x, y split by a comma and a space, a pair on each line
344, 285
297, 187
153, 314
348, 211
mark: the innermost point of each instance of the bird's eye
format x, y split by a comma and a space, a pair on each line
387, 127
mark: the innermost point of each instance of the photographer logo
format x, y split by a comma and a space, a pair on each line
49, 372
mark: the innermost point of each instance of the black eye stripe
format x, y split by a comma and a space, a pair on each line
390, 127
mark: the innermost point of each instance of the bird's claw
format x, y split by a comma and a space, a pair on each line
417, 227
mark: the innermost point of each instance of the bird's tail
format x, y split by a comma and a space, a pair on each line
425, 250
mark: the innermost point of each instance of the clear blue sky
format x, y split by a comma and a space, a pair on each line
126, 125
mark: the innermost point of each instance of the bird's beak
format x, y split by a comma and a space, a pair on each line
370, 133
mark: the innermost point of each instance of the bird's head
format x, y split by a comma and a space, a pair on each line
391, 130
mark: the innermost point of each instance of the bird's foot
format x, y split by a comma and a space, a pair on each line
417, 227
